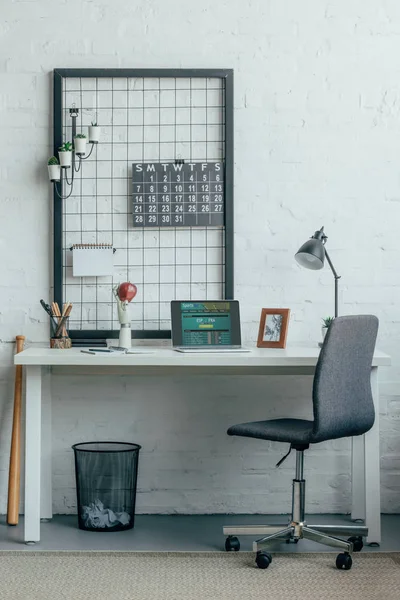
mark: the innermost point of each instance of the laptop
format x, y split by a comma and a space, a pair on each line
206, 326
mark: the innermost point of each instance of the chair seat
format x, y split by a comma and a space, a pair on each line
292, 431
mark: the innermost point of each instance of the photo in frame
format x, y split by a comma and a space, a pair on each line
273, 328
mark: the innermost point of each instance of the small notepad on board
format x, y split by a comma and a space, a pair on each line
92, 260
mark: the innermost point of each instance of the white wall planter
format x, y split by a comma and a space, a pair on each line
80, 145
323, 331
94, 134
54, 172
65, 158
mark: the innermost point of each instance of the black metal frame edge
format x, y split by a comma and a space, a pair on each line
95, 334
227, 74
222, 73
57, 202
229, 187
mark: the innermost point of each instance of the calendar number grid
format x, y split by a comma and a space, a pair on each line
177, 195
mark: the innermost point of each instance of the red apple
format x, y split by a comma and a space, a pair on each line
127, 291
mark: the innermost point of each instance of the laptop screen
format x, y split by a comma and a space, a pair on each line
205, 323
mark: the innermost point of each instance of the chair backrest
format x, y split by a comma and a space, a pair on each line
342, 397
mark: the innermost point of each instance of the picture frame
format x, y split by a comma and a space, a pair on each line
273, 329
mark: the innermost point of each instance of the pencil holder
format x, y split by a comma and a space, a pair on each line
59, 334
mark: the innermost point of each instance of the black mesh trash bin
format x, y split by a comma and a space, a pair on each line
106, 475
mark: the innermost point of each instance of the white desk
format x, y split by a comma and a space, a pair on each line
300, 360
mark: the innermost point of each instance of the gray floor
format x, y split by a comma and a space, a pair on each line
176, 533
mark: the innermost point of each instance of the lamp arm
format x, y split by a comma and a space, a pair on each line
337, 277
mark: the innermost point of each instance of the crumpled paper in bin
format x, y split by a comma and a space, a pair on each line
96, 516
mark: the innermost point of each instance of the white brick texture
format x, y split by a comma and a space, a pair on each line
317, 142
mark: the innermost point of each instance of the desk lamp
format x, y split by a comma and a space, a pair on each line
312, 254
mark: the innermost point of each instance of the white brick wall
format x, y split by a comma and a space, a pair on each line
317, 115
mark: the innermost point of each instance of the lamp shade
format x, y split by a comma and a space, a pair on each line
311, 255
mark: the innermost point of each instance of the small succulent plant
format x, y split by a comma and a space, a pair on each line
327, 321
52, 161
94, 123
66, 147
80, 135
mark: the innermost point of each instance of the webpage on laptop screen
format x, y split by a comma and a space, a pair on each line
206, 323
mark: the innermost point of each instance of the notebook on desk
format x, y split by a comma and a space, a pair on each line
206, 326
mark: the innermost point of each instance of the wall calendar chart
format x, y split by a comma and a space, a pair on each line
178, 194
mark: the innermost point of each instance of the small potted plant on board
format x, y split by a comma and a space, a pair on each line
94, 133
80, 143
65, 154
53, 168
327, 322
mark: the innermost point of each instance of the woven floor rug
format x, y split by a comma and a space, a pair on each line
194, 576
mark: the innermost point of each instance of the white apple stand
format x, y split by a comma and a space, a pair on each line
125, 337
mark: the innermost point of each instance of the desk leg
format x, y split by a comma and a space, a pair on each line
46, 504
32, 452
372, 470
358, 477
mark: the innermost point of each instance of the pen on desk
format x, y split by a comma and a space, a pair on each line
99, 350
88, 352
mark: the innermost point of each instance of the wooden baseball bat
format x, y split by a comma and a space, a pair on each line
15, 454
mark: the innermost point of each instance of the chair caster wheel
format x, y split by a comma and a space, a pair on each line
292, 541
232, 543
344, 561
263, 559
357, 542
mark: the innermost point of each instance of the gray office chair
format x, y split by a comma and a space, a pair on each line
343, 407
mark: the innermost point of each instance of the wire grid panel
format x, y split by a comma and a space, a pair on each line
141, 119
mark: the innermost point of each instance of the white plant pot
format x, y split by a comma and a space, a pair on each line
65, 158
54, 172
323, 331
80, 145
94, 134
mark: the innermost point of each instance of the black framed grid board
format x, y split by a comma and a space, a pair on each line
157, 188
